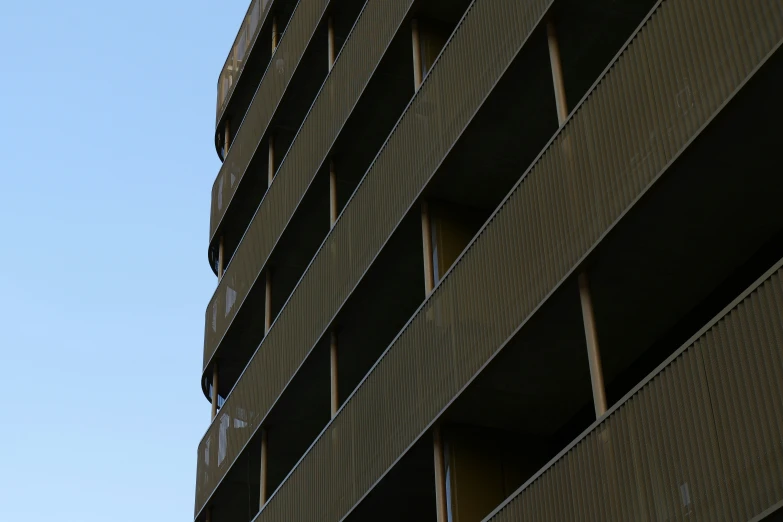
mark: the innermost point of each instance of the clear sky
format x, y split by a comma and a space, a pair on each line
106, 144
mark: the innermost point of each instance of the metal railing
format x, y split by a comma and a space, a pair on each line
700, 439
235, 62
660, 92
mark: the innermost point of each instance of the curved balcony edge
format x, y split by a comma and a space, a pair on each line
294, 41
243, 45
500, 307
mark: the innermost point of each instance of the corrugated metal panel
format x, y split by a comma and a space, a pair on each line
744, 363
361, 54
237, 56
701, 440
281, 68
668, 83
449, 97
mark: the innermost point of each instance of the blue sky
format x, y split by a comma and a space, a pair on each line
106, 144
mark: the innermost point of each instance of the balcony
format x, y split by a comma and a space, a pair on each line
699, 439
544, 226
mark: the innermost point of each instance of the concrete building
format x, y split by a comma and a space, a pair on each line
497, 260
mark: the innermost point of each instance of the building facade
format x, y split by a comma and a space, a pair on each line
497, 260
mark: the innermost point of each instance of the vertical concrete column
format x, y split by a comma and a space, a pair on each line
593, 354
416, 41
335, 397
557, 72
271, 159
332, 194
264, 460
426, 238
268, 302
275, 36
330, 42
588, 316
440, 475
